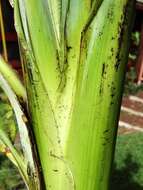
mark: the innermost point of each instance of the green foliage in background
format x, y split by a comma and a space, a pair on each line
7, 116
10, 178
135, 41
131, 86
128, 165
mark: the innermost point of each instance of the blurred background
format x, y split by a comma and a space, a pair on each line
127, 171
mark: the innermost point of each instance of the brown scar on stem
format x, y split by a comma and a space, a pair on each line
24, 118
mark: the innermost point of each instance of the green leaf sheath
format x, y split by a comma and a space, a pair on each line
74, 54
98, 96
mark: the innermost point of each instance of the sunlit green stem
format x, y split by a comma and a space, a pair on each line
74, 55
2, 29
12, 78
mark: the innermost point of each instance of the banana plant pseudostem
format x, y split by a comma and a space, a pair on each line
73, 54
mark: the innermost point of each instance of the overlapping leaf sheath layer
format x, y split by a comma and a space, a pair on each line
74, 54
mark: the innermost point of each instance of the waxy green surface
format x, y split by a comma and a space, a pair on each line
74, 54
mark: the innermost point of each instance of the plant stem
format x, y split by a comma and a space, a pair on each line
3, 34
